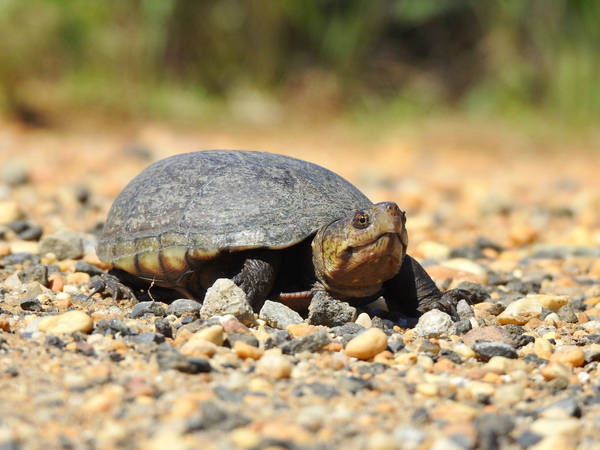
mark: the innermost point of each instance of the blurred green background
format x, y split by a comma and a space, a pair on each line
259, 61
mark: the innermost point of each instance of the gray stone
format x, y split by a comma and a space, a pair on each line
64, 244
567, 314
310, 343
169, 358
30, 304
591, 354
184, 307
143, 308
435, 323
14, 173
278, 315
486, 350
325, 310
464, 310
568, 405
36, 272
225, 297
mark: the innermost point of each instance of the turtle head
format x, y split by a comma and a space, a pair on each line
354, 255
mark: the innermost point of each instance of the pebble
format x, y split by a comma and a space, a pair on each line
198, 347
548, 427
555, 370
310, 343
169, 358
225, 297
9, 211
552, 302
66, 323
435, 323
464, 310
521, 311
184, 307
212, 334
487, 350
569, 355
367, 344
278, 315
433, 250
244, 350
330, 312
64, 244
466, 265
364, 320
274, 366
142, 308
298, 330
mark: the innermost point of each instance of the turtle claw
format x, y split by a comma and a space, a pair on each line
112, 285
446, 302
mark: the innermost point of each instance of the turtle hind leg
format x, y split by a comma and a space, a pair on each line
257, 276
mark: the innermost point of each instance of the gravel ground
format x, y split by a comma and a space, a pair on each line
517, 227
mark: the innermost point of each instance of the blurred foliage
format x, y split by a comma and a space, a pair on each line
180, 57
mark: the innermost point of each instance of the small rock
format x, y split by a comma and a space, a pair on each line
464, 310
163, 326
330, 312
466, 265
25, 230
521, 311
232, 338
568, 405
592, 326
30, 304
277, 315
169, 358
9, 211
367, 344
487, 350
274, 366
245, 351
556, 370
234, 326
566, 314
67, 323
364, 320
184, 307
310, 343
225, 297
212, 334
547, 427
142, 308
435, 323
569, 355
463, 326
552, 302
592, 353
64, 244
477, 292
36, 272
491, 428
298, 330
114, 327
198, 347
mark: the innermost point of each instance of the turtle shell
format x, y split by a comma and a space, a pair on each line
193, 206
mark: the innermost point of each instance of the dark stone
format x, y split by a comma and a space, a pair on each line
115, 327
55, 341
116, 356
420, 416
383, 324
578, 304
30, 304
310, 343
21, 258
325, 310
85, 349
535, 359
483, 243
247, 339
184, 306
528, 439
169, 358
524, 287
568, 405
36, 272
186, 320
350, 329
82, 266
213, 416
25, 230
146, 338
467, 252
491, 428
395, 345
12, 371
519, 338
277, 338
326, 391
567, 314
486, 350
463, 326
354, 384
163, 326
142, 308
451, 355
227, 395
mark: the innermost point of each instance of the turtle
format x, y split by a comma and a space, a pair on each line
281, 228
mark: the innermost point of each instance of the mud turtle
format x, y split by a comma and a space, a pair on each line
276, 225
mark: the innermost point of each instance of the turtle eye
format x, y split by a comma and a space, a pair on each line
361, 220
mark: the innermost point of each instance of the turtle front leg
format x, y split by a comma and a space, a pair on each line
257, 276
412, 292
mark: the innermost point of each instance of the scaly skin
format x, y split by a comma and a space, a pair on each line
353, 256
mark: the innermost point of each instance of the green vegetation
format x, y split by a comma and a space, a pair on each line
184, 58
